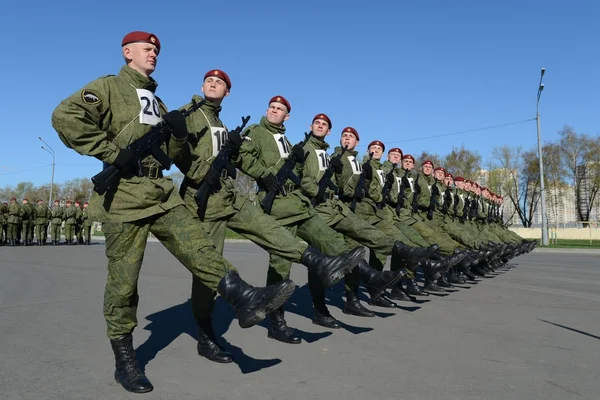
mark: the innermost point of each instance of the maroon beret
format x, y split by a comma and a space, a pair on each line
448, 174
13, 199
324, 117
69, 202
282, 100
351, 130
459, 179
86, 203
439, 169
25, 199
143, 37
427, 162
378, 143
217, 73
407, 156
395, 150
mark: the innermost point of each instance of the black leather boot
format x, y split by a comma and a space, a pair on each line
88, 241
381, 301
397, 293
80, 240
353, 306
208, 345
411, 255
252, 304
443, 282
431, 286
279, 330
413, 289
331, 269
322, 316
127, 371
377, 281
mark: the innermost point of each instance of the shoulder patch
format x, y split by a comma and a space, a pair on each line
90, 97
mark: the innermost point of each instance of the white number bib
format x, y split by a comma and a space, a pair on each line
219, 137
381, 176
150, 110
323, 159
282, 144
399, 181
412, 185
356, 166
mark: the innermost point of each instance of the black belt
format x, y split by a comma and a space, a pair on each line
152, 172
289, 187
346, 199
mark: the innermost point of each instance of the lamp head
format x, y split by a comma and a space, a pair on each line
543, 71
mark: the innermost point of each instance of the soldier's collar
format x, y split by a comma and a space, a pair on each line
138, 80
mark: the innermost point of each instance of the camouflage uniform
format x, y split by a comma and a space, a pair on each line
3, 215
99, 121
14, 210
56, 219
78, 223
86, 226
70, 213
41, 220
27, 216
264, 153
227, 208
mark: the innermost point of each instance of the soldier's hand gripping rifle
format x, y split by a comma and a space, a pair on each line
474, 208
285, 172
417, 192
447, 200
360, 185
325, 181
149, 144
221, 162
435, 191
456, 201
390, 179
404, 183
466, 208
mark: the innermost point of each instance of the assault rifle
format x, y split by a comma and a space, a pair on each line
285, 172
474, 208
456, 201
149, 144
447, 201
466, 208
221, 162
325, 182
417, 192
390, 179
435, 191
401, 197
360, 185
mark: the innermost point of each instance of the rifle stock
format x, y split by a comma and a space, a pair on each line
325, 182
361, 183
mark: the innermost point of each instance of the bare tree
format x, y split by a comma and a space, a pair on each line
574, 149
463, 162
434, 158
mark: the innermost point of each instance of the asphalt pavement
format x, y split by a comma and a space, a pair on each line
531, 332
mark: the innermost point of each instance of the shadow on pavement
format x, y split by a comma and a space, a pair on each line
167, 325
571, 329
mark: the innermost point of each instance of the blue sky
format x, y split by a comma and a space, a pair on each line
395, 70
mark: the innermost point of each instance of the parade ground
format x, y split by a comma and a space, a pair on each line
531, 332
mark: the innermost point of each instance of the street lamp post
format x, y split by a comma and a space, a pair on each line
49, 150
539, 139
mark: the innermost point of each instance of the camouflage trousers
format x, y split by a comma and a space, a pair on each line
55, 232
26, 231
180, 233
11, 231
251, 222
87, 232
40, 232
69, 231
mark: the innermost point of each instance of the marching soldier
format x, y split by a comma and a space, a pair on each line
101, 120
56, 219
3, 216
87, 224
14, 210
41, 220
70, 213
26, 215
78, 223
226, 207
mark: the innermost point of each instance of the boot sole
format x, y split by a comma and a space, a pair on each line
135, 391
277, 301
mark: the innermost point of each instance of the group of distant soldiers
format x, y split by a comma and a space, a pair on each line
21, 223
